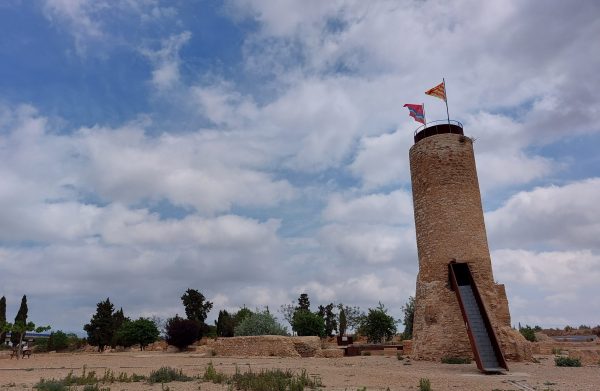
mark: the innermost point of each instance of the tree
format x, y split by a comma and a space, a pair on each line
2, 319
225, 324
378, 326
21, 328
182, 332
287, 310
58, 340
118, 320
141, 331
343, 322
242, 314
354, 316
527, 332
21, 318
196, 305
409, 317
259, 323
103, 325
326, 312
307, 323
303, 302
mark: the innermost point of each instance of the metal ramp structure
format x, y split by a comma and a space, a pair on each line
484, 342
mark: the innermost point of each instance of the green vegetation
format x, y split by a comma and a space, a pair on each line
20, 318
378, 326
104, 324
556, 351
196, 306
141, 331
456, 360
409, 317
424, 384
528, 332
567, 362
211, 375
343, 326
259, 323
225, 324
167, 375
273, 379
307, 323
331, 324
2, 319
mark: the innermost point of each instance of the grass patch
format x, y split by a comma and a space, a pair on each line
456, 360
567, 362
424, 384
50, 385
166, 375
274, 379
89, 380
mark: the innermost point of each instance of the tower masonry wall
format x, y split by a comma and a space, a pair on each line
450, 226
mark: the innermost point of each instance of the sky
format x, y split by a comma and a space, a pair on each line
255, 150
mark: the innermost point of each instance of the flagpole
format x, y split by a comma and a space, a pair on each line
446, 100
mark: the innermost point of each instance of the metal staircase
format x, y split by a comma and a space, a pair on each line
484, 343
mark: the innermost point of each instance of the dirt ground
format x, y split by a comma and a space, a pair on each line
348, 373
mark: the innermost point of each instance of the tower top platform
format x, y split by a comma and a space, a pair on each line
438, 127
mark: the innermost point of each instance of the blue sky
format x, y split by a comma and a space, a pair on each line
256, 150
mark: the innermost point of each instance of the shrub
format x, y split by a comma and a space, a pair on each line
58, 340
259, 323
456, 360
274, 379
306, 323
528, 332
424, 384
567, 362
211, 375
50, 385
166, 375
182, 332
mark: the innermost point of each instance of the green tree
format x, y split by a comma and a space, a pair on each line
103, 325
118, 320
2, 319
378, 326
225, 324
58, 340
141, 331
326, 312
354, 316
259, 323
409, 317
21, 318
21, 328
196, 306
343, 322
307, 323
182, 332
242, 314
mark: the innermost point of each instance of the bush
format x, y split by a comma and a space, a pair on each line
306, 323
528, 332
182, 332
567, 362
424, 384
378, 325
58, 340
259, 323
166, 375
456, 360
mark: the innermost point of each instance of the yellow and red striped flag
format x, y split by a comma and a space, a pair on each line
438, 91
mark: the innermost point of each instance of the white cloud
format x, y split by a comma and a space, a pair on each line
563, 217
166, 61
394, 208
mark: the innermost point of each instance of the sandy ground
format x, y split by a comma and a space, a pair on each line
348, 373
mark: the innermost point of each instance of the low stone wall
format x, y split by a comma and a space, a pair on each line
265, 345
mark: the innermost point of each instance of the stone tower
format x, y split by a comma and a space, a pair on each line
450, 227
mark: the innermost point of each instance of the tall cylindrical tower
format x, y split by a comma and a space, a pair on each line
450, 227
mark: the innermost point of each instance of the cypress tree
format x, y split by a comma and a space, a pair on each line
20, 318
2, 318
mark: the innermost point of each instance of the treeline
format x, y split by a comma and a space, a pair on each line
112, 328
